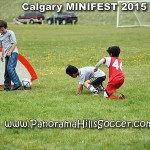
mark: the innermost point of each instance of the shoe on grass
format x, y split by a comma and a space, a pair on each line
6, 89
122, 97
15, 88
96, 93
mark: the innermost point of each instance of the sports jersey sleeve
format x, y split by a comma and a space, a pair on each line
82, 79
107, 61
12, 37
102, 61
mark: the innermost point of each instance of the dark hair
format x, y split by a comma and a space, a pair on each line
114, 50
3, 24
70, 70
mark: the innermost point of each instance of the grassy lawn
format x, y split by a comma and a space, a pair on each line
50, 49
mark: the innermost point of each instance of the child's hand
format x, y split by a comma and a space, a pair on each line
9, 54
95, 69
2, 59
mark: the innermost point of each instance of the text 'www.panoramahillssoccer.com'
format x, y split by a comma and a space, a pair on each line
78, 124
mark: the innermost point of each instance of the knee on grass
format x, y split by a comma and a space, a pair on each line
87, 83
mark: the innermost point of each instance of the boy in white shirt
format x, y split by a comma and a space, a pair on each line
87, 78
10, 53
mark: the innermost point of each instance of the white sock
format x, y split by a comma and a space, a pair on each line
91, 88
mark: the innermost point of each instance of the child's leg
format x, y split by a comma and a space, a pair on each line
121, 96
98, 83
113, 86
12, 71
7, 78
106, 95
90, 87
102, 80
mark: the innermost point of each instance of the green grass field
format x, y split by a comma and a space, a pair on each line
50, 49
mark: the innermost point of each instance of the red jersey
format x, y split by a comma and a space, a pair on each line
115, 67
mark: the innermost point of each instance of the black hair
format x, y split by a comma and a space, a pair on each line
114, 50
3, 24
70, 70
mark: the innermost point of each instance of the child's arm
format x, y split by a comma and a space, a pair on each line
11, 50
79, 89
13, 42
102, 61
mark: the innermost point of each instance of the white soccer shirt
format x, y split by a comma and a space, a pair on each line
6, 41
87, 73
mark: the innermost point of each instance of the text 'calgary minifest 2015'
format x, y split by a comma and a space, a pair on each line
70, 7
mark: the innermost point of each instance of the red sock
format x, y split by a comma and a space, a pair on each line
118, 97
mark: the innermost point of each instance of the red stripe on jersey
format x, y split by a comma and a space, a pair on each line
105, 60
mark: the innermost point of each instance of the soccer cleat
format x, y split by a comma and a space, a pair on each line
100, 88
122, 97
15, 88
96, 93
6, 89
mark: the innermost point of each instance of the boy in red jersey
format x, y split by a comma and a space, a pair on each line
116, 77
